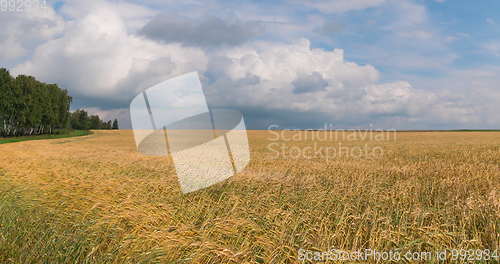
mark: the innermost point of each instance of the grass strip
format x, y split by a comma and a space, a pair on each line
72, 133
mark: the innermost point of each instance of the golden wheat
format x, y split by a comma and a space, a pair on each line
95, 199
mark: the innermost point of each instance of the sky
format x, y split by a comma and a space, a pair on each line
388, 64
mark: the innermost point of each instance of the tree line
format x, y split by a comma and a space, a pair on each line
30, 107
80, 119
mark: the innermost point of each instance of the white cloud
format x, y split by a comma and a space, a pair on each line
408, 39
492, 48
134, 16
340, 6
207, 31
263, 75
22, 31
408, 15
466, 98
97, 57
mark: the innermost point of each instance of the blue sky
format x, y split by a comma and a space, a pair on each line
406, 64
480, 23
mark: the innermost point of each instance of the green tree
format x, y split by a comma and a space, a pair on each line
80, 119
30, 107
115, 124
95, 122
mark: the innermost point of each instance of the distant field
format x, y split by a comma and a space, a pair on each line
95, 199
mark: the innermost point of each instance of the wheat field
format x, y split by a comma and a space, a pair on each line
95, 199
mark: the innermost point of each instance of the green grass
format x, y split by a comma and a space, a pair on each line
66, 134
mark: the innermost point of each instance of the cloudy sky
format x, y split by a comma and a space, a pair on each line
405, 64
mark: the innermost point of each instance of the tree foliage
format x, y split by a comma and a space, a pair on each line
80, 119
115, 124
29, 107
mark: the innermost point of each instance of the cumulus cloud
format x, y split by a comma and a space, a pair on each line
472, 100
309, 83
340, 6
206, 32
97, 57
295, 77
23, 31
105, 53
134, 16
